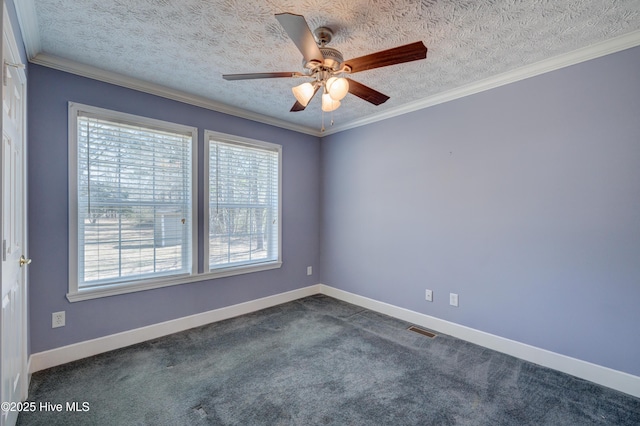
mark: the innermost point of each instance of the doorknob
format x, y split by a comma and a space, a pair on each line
24, 261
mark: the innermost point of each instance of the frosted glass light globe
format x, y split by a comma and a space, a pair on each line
338, 88
303, 93
328, 104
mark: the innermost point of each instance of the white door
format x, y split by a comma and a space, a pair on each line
14, 276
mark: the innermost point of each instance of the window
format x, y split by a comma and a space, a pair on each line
133, 215
242, 204
132, 201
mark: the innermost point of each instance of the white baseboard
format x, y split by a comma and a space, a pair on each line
604, 376
62, 355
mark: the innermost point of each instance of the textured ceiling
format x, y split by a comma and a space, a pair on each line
188, 44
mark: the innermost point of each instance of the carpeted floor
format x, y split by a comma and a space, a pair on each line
318, 361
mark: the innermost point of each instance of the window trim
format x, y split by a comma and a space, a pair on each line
251, 267
126, 286
76, 293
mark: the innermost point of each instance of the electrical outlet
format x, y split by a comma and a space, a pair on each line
57, 319
309, 270
428, 295
453, 299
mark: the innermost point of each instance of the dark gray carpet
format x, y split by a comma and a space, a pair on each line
318, 361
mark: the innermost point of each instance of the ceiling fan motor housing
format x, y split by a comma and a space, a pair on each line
332, 60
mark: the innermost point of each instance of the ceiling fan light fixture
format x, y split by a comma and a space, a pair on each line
337, 88
303, 93
321, 63
328, 104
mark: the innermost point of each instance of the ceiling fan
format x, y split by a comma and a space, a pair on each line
325, 65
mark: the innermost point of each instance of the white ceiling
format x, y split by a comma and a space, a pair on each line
180, 48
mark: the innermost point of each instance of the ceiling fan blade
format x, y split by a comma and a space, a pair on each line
299, 32
299, 107
397, 55
262, 75
366, 93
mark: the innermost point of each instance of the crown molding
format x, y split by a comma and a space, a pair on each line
31, 35
89, 71
28, 20
594, 51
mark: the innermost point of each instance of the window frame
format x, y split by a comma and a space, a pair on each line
210, 135
77, 293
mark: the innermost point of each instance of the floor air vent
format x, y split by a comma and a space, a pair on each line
422, 331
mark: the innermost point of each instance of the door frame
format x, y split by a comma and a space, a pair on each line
13, 56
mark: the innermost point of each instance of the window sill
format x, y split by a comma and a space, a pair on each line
124, 288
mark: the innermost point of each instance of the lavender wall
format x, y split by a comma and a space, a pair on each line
49, 92
524, 200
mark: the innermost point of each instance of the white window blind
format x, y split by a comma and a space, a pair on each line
134, 201
243, 202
